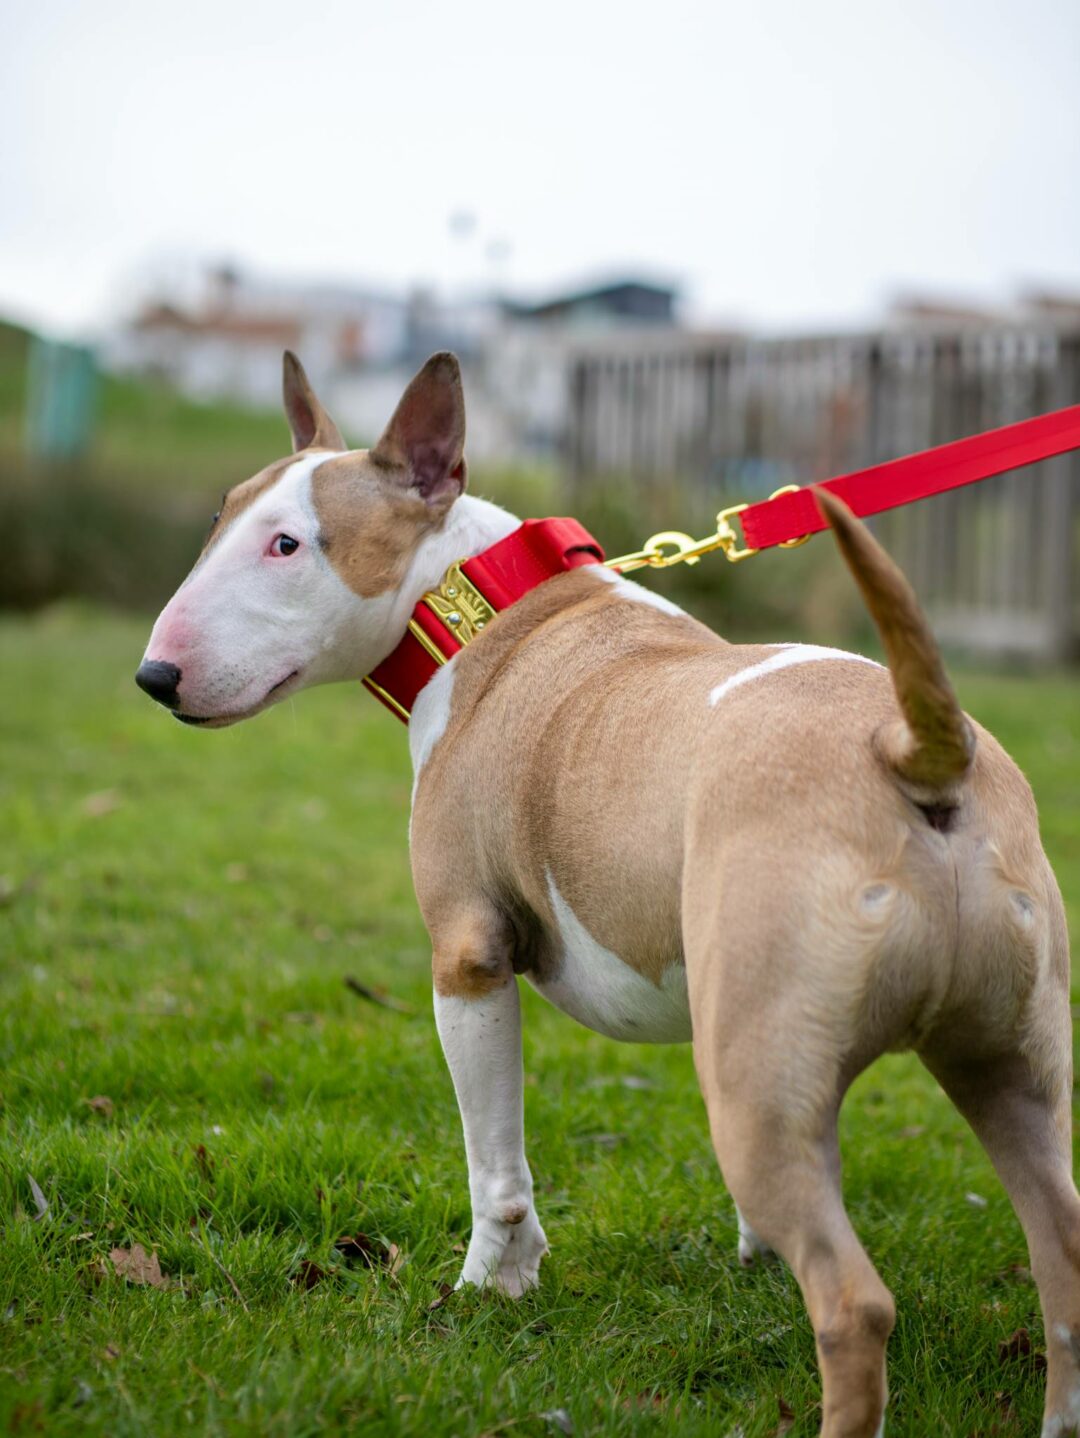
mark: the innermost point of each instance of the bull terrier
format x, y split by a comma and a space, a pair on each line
790, 856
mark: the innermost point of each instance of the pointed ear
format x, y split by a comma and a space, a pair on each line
426, 437
311, 426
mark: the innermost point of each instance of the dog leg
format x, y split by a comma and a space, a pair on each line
481, 1038
1025, 1125
784, 1184
773, 1100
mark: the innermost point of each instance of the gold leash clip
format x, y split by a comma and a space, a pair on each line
689, 551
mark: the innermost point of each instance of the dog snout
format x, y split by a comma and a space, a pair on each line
160, 681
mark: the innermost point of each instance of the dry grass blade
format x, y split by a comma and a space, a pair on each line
377, 996
41, 1203
229, 1279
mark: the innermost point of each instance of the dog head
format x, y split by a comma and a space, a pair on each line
305, 575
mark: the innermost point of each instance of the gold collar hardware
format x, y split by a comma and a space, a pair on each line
686, 550
460, 606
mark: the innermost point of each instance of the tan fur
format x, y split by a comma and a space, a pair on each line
474, 953
426, 434
821, 917
932, 747
369, 526
375, 507
311, 426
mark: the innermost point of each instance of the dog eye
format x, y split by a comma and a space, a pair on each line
216, 517
284, 545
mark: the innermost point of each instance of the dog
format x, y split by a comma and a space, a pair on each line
791, 856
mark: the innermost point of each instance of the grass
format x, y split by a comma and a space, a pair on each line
179, 913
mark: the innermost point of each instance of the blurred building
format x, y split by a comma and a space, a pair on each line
229, 343
360, 347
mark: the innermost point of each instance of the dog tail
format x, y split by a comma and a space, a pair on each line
931, 748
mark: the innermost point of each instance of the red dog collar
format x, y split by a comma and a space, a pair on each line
472, 592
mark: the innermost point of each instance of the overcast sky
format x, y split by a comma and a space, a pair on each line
787, 162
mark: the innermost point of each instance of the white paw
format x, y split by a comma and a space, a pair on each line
505, 1256
751, 1248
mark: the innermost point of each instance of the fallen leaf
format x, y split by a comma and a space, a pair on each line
369, 1251
377, 996
976, 1200
308, 1274
110, 1353
787, 1419
913, 1130
41, 1203
101, 1104
236, 873
446, 1292
96, 806
137, 1266
397, 1259
1017, 1347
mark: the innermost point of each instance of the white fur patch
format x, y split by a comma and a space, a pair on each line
430, 716
751, 1248
786, 655
482, 1042
1066, 1421
627, 589
595, 987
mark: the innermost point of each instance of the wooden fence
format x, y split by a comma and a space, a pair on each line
731, 419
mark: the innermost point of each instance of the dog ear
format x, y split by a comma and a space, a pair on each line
426, 437
311, 426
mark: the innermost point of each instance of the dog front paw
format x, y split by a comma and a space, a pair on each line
505, 1256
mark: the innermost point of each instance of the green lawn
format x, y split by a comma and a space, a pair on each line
179, 911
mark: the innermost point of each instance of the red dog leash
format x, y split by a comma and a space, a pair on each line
473, 591
793, 514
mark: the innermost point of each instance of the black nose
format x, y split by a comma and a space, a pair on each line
159, 681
